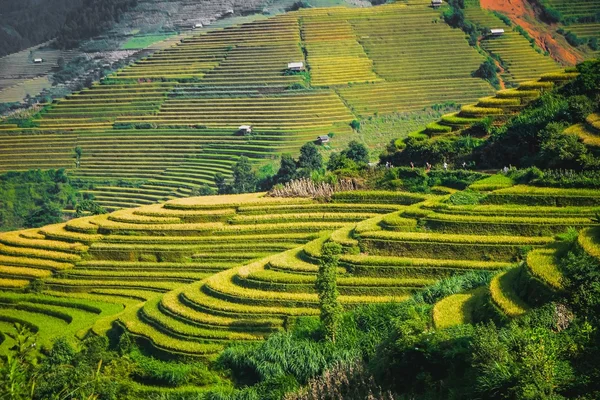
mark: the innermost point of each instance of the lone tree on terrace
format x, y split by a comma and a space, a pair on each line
331, 310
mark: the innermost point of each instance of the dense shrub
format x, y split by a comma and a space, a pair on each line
488, 71
34, 198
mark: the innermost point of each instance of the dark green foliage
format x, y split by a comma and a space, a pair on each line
582, 282
88, 206
588, 81
244, 178
574, 40
453, 285
25, 23
560, 150
349, 161
455, 17
357, 152
525, 360
420, 150
298, 5
563, 178
90, 20
34, 198
355, 124
72, 70
326, 287
5, 107
282, 354
156, 372
338, 162
287, 170
420, 181
579, 108
222, 187
489, 71
310, 159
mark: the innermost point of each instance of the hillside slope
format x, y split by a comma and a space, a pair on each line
168, 123
196, 273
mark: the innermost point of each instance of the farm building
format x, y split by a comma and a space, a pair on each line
436, 3
296, 66
497, 32
323, 139
38, 60
198, 26
245, 129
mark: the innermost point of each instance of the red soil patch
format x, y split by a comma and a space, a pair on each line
522, 13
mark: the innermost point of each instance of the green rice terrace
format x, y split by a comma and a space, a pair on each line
164, 126
190, 275
462, 265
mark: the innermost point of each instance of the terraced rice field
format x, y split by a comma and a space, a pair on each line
506, 104
575, 8
588, 132
18, 71
191, 275
521, 61
165, 125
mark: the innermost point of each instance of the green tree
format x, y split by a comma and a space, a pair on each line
310, 159
244, 178
288, 169
339, 161
331, 310
222, 186
357, 152
560, 150
48, 212
488, 71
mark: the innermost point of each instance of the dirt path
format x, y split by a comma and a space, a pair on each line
522, 13
498, 65
500, 80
